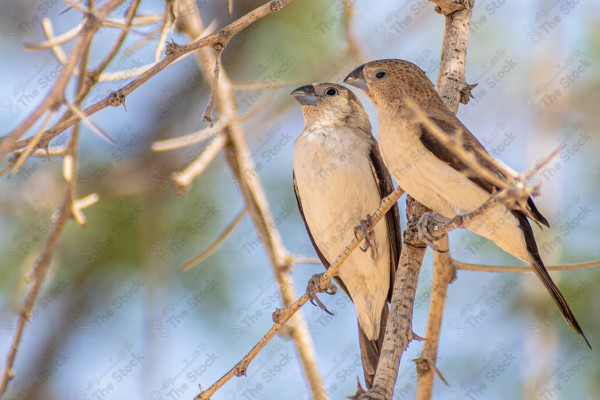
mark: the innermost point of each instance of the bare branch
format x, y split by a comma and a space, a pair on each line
9, 142
186, 266
398, 330
450, 85
80, 204
239, 86
120, 40
36, 138
184, 178
213, 89
240, 160
71, 34
90, 124
510, 268
164, 30
306, 260
281, 316
353, 48
56, 95
190, 138
40, 271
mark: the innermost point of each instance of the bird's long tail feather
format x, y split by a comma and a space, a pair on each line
542, 273
370, 350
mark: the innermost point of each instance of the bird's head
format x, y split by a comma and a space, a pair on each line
389, 81
329, 104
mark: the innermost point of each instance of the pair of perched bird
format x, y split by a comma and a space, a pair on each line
340, 176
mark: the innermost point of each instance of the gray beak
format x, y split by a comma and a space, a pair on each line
305, 95
357, 79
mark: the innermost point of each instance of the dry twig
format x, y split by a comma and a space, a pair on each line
451, 79
281, 316
174, 52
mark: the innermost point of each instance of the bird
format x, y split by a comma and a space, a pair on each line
437, 178
339, 178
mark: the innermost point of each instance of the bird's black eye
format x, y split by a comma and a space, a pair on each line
380, 74
331, 92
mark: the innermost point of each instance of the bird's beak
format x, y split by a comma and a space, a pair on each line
305, 95
357, 79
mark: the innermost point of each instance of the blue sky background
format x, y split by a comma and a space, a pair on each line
117, 319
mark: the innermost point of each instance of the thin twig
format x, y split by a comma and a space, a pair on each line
511, 268
213, 89
353, 48
190, 138
204, 254
239, 158
243, 85
281, 316
72, 33
164, 30
184, 178
10, 143
90, 124
451, 79
207, 133
120, 40
39, 273
56, 94
398, 330
36, 138
70, 205
306, 260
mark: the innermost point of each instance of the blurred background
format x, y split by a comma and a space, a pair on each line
116, 317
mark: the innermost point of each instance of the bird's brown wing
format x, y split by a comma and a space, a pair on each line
371, 349
383, 179
429, 140
324, 260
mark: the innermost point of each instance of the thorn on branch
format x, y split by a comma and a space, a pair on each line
171, 48
466, 93
359, 391
241, 368
426, 365
447, 7
276, 5
117, 98
278, 315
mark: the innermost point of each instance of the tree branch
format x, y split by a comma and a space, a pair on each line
240, 160
510, 268
174, 52
398, 330
281, 316
57, 93
40, 271
451, 81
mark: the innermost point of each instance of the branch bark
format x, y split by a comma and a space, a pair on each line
281, 316
240, 160
450, 85
117, 97
398, 330
57, 93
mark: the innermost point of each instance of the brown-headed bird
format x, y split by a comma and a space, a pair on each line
435, 177
339, 177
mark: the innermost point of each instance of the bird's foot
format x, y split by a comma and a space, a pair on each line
312, 288
366, 227
428, 224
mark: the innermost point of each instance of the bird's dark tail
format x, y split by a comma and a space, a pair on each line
544, 276
370, 350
